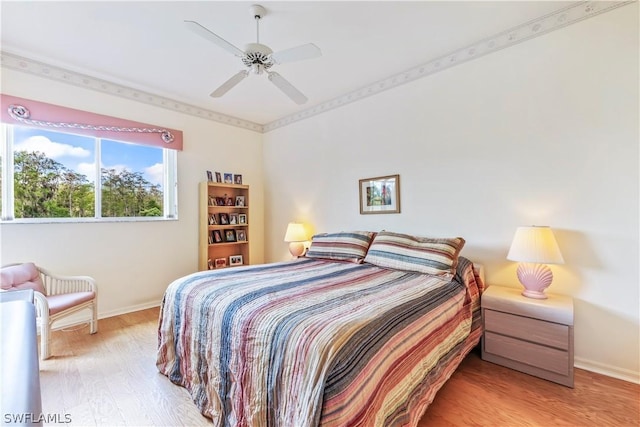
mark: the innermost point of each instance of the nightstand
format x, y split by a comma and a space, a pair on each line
534, 336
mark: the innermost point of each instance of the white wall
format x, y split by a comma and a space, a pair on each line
133, 262
545, 133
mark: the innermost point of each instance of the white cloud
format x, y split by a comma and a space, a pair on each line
88, 170
155, 173
51, 149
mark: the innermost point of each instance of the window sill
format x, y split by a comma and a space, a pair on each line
84, 220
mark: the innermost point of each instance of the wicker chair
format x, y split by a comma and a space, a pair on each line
55, 297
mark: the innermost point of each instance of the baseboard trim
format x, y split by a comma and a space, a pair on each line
129, 309
608, 370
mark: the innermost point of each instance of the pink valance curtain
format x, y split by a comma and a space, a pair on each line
27, 112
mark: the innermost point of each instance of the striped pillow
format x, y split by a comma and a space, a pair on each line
344, 246
428, 255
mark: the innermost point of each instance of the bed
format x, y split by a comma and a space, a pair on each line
364, 330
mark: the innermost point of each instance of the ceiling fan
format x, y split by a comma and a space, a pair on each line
259, 58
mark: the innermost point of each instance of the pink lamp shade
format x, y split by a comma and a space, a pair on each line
534, 247
296, 235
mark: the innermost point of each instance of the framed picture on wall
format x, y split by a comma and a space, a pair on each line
380, 195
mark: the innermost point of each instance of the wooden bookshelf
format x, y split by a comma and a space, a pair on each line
223, 225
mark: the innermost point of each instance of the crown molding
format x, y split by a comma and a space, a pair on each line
26, 65
534, 28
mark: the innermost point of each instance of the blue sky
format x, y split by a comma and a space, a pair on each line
77, 152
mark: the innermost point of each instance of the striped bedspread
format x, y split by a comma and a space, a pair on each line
316, 342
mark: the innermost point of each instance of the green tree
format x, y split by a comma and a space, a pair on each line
127, 193
44, 188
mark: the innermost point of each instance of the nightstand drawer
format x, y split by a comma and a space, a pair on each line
547, 358
525, 328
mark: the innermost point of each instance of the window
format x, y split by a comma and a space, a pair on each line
52, 174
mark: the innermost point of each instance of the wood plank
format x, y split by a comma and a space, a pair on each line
110, 378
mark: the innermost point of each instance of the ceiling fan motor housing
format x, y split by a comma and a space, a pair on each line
257, 54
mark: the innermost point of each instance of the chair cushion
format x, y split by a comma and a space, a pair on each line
22, 276
58, 303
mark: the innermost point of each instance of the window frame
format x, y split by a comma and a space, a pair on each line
170, 184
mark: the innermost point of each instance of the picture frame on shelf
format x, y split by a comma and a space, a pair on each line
229, 201
220, 201
240, 201
224, 219
217, 236
220, 262
218, 177
237, 179
213, 220
235, 260
230, 235
209, 176
241, 235
380, 195
212, 201
233, 218
210, 265
228, 178
242, 218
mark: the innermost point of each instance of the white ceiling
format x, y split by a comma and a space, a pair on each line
145, 45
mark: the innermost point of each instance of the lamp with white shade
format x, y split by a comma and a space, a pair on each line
296, 236
534, 247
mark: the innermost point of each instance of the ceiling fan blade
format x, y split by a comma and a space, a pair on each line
287, 88
203, 32
305, 51
237, 78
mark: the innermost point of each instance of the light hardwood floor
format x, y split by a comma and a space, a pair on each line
110, 379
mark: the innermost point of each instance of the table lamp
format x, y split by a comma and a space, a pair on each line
296, 236
534, 247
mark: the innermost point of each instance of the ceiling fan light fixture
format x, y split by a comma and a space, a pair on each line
257, 68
